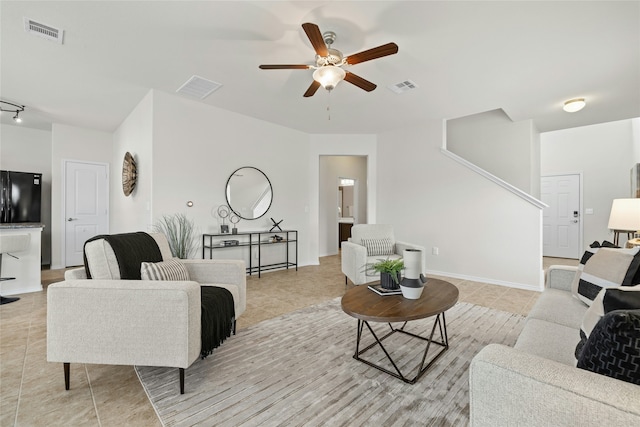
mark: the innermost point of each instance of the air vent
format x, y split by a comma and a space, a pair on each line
45, 31
403, 86
198, 87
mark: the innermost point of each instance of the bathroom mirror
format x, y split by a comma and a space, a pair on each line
249, 192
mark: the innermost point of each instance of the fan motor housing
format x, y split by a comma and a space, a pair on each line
334, 57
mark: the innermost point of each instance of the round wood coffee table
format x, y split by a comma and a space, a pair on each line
365, 305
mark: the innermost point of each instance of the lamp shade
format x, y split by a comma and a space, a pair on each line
625, 215
329, 76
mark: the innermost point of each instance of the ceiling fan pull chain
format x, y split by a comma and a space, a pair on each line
329, 107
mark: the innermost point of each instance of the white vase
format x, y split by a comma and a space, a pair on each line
412, 284
411, 293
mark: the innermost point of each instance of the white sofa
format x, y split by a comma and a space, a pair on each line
134, 322
354, 255
536, 383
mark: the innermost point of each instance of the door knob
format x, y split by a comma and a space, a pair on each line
72, 219
575, 221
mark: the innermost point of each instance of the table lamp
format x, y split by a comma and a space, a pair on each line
624, 218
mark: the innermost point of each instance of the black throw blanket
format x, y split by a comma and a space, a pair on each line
131, 250
218, 314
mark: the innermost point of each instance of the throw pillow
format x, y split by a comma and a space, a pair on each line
591, 250
607, 268
376, 247
613, 347
166, 270
607, 300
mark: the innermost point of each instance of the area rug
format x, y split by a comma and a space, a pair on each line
298, 370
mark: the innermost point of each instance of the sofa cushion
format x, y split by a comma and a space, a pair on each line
557, 306
377, 247
613, 347
549, 340
606, 268
165, 270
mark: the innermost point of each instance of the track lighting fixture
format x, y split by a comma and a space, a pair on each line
10, 107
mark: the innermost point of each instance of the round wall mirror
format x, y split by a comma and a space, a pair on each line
249, 192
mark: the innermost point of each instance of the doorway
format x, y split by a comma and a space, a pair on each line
331, 212
86, 207
347, 207
562, 222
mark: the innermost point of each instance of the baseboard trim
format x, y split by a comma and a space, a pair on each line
6, 289
524, 286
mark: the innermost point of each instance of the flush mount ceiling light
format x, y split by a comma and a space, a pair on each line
10, 107
573, 105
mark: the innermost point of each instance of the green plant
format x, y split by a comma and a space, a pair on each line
180, 232
390, 266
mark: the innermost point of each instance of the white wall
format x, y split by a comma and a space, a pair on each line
635, 136
193, 149
337, 145
604, 154
498, 145
72, 143
331, 169
483, 232
134, 135
29, 150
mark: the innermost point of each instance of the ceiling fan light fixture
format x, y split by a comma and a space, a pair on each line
329, 76
574, 105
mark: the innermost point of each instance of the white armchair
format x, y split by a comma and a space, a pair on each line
107, 320
369, 243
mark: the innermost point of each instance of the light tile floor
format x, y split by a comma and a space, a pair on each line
32, 390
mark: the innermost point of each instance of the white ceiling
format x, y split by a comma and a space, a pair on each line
466, 57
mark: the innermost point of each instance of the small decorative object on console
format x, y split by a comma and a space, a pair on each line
276, 239
235, 219
223, 212
276, 224
230, 243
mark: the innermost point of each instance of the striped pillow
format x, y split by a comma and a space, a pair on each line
165, 270
376, 247
607, 268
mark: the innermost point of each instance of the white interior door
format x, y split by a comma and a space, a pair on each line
86, 207
561, 220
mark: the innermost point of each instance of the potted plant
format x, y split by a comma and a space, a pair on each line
180, 232
389, 270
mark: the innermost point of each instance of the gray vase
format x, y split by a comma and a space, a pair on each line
386, 281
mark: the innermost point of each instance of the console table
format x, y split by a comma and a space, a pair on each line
251, 239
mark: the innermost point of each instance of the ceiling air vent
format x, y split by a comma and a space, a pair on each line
45, 31
198, 87
403, 86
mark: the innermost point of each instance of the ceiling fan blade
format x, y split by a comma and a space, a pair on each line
312, 89
315, 37
284, 67
359, 81
376, 52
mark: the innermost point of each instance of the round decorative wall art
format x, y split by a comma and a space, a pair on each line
129, 174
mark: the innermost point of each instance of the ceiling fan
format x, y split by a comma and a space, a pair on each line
329, 62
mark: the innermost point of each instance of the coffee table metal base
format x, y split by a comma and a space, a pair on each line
439, 323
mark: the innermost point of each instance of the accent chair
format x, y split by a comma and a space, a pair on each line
369, 243
106, 320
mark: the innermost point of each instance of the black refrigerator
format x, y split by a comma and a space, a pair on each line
20, 197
